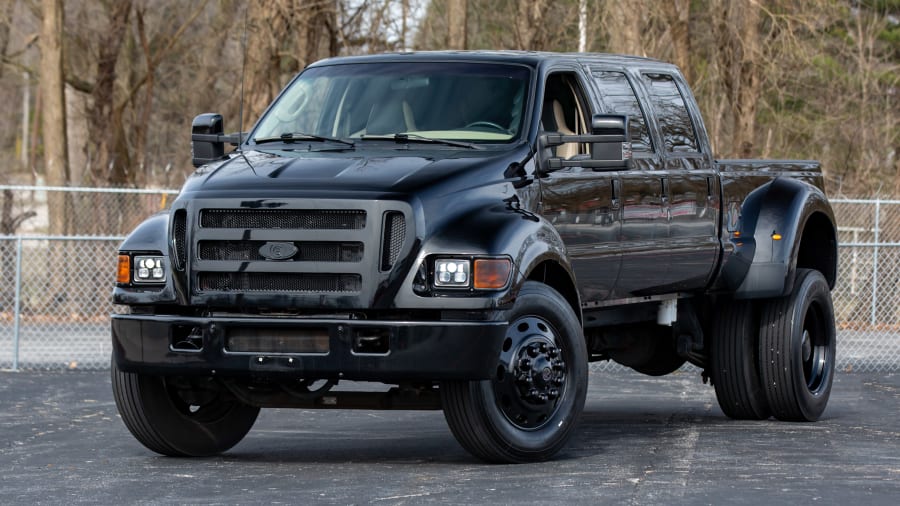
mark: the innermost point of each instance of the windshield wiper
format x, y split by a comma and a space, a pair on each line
407, 138
299, 136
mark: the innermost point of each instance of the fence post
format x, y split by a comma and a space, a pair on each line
875, 260
18, 304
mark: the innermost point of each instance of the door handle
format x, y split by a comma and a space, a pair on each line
614, 189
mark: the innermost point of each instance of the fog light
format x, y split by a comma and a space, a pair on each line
451, 273
149, 269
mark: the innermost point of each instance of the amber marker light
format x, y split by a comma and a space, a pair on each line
491, 273
776, 236
736, 233
123, 272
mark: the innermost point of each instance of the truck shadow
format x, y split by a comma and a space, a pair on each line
424, 438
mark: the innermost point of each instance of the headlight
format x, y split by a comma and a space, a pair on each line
451, 272
149, 269
483, 274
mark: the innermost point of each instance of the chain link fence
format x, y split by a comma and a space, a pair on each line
55, 291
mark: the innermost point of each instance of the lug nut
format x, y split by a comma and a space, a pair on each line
533, 393
532, 351
558, 382
558, 365
553, 352
554, 393
525, 363
543, 347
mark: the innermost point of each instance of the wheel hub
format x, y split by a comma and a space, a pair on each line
532, 373
806, 345
539, 372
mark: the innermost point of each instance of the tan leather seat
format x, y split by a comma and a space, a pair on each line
391, 117
569, 149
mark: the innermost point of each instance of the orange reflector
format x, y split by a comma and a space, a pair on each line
491, 273
736, 233
123, 272
776, 237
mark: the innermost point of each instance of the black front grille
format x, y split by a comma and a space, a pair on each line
306, 251
179, 238
302, 219
392, 239
278, 282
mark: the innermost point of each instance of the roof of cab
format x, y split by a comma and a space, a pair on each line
530, 58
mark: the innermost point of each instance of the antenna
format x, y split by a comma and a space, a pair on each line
243, 67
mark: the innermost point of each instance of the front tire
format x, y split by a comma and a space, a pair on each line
528, 410
797, 349
180, 418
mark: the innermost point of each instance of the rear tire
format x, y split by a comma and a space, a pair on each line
735, 363
797, 349
159, 416
528, 410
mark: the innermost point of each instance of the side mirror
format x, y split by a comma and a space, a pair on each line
205, 145
617, 143
610, 145
208, 140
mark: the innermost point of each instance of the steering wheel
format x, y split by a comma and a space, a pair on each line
488, 124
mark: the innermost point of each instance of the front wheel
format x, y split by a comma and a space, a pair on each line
526, 412
797, 349
180, 417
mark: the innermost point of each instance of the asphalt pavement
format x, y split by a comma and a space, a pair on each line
641, 441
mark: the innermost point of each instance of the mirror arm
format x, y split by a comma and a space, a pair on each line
232, 138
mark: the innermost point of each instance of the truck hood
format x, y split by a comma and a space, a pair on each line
384, 171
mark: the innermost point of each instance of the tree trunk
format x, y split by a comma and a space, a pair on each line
457, 20
738, 35
56, 163
529, 20
624, 25
284, 37
109, 155
678, 15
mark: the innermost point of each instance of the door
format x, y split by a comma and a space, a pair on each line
642, 192
580, 203
692, 200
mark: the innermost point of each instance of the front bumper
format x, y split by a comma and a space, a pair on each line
413, 350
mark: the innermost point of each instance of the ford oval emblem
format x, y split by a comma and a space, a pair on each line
278, 250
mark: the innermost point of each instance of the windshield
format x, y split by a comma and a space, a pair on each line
473, 102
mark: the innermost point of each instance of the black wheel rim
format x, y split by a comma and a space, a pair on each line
531, 377
815, 344
203, 402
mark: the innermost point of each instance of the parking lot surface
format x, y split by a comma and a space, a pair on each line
641, 441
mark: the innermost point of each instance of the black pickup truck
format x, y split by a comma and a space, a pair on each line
466, 231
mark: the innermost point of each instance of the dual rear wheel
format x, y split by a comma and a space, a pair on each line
776, 357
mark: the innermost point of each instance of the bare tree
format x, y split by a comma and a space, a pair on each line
625, 26
740, 50
457, 21
678, 16
56, 163
284, 37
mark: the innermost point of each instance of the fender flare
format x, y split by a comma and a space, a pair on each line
506, 229
782, 208
151, 236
